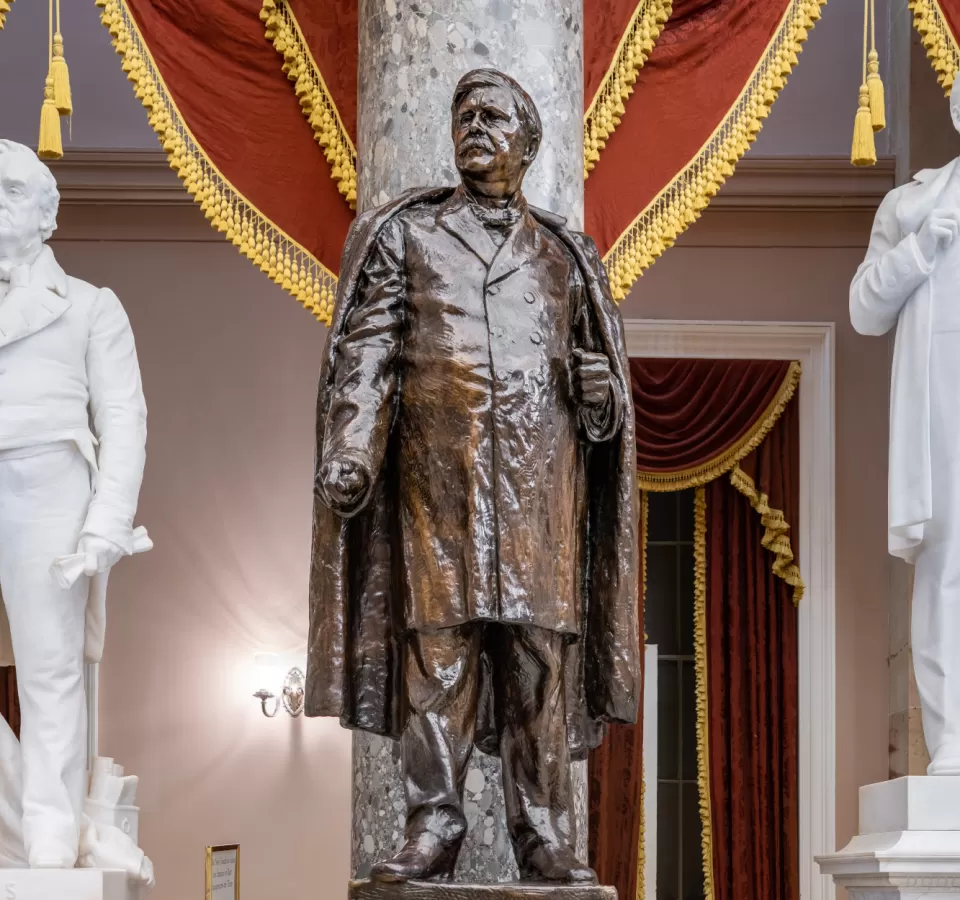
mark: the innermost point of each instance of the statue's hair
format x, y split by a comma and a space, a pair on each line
49, 195
526, 108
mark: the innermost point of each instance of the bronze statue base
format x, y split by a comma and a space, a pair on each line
511, 890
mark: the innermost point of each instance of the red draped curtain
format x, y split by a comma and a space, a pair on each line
728, 428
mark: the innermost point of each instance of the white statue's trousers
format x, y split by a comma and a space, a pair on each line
936, 590
43, 503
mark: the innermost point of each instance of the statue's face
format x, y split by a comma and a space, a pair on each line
21, 193
490, 141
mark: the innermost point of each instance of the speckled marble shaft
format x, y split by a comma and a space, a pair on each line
379, 812
412, 53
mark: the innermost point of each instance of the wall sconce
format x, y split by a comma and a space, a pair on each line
270, 670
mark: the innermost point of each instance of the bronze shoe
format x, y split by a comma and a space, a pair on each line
558, 865
424, 857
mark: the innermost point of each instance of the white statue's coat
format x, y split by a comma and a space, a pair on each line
910, 280
68, 362
896, 286
72, 452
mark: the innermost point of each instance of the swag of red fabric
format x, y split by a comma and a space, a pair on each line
226, 81
688, 413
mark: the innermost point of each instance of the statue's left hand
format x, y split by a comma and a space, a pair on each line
100, 555
591, 378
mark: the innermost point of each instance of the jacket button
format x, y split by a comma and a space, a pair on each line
530, 297
536, 337
493, 290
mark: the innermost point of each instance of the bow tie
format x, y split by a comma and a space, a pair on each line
497, 218
17, 276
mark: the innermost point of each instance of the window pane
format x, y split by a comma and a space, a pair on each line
685, 589
668, 835
688, 715
692, 853
668, 720
685, 515
661, 517
661, 597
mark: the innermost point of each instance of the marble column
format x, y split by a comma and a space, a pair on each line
412, 52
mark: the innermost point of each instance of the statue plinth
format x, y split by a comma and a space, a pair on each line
68, 884
909, 842
511, 890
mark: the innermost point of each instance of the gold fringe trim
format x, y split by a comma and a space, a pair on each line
776, 537
4, 9
276, 254
681, 202
606, 109
720, 465
316, 101
700, 662
938, 40
642, 839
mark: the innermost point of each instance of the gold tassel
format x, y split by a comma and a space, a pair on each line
864, 151
50, 145
878, 111
878, 114
61, 78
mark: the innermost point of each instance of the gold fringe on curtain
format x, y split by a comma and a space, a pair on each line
700, 662
606, 108
938, 40
281, 258
681, 203
776, 538
720, 465
4, 9
316, 101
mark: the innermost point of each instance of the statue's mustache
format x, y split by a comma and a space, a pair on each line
477, 143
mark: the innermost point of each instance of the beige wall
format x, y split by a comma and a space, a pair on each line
229, 366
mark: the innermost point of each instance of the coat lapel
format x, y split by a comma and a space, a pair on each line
922, 195
30, 308
464, 225
522, 245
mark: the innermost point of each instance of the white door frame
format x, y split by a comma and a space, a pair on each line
812, 344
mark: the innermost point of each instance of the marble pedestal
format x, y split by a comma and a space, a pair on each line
421, 890
67, 884
908, 847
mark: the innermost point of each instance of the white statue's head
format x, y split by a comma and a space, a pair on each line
29, 201
955, 108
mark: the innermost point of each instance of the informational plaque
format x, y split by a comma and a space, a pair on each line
223, 872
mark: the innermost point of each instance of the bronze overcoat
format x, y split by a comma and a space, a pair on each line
521, 510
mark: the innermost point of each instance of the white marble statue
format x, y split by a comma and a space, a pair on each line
72, 450
911, 279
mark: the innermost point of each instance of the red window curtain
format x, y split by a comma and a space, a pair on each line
730, 429
751, 673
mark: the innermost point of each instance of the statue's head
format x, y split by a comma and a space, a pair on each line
955, 108
496, 129
29, 201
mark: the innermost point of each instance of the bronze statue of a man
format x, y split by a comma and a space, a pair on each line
475, 540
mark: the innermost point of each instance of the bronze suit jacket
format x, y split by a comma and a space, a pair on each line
449, 384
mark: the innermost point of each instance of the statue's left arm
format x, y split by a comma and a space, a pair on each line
118, 413
598, 393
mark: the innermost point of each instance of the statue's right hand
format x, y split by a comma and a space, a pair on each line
938, 232
344, 482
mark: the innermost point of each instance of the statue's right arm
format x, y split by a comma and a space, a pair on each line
893, 269
365, 376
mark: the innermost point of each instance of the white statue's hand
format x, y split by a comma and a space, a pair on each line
938, 232
100, 555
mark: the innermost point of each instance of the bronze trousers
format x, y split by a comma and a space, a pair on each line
442, 675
